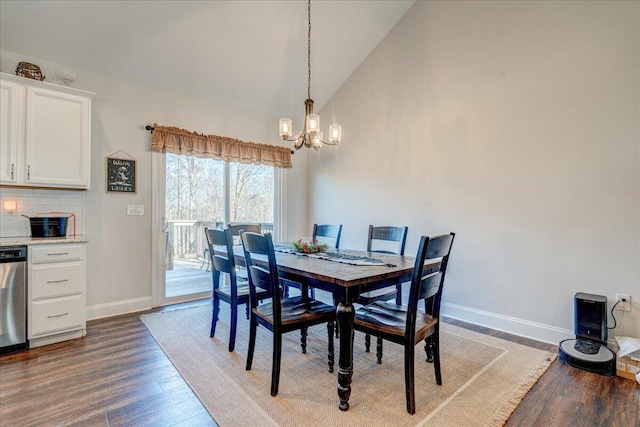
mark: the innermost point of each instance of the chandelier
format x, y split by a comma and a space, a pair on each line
311, 136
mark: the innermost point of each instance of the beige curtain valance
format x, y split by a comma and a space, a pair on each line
179, 141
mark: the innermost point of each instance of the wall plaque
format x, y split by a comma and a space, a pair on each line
121, 175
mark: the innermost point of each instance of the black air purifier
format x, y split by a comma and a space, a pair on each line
589, 351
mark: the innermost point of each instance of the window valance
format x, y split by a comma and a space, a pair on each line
174, 140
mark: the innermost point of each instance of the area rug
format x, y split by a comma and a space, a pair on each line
483, 378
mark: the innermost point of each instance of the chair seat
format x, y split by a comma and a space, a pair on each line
297, 309
243, 290
391, 318
384, 294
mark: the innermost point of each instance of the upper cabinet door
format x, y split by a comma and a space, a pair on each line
57, 139
9, 129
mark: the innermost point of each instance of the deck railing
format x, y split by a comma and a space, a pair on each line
186, 239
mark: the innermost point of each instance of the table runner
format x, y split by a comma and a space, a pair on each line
332, 256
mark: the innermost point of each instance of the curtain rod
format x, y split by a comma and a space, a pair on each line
151, 129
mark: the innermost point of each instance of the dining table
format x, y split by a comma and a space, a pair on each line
345, 281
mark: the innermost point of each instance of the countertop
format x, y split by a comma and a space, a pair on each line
17, 241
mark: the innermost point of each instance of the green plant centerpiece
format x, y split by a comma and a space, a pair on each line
311, 247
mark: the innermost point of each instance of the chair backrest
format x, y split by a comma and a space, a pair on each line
236, 229
387, 234
220, 239
221, 262
428, 287
262, 275
330, 231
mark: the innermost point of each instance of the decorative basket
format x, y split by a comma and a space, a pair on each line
48, 226
30, 71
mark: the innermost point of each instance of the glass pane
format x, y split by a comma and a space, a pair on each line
251, 194
194, 200
194, 188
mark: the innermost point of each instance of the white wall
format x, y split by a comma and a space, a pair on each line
514, 124
119, 255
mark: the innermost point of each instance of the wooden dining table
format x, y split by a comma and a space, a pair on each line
345, 282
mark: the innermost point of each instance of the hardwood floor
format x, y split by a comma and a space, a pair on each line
118, 376
566, 396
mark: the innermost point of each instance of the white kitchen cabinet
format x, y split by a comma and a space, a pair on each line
47, 130
57, 293
9, 122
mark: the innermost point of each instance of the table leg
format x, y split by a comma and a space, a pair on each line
345, 314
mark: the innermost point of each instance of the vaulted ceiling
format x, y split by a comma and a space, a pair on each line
246, 54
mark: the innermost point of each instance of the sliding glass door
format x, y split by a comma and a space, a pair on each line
200, 193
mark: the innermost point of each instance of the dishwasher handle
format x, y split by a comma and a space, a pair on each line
13, 254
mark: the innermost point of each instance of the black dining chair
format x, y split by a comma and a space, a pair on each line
328, 231
406, 325
279, 315
235, 292
237, 228
386, 240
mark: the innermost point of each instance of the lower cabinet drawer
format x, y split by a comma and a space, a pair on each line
50, 316
55, 253
51, 280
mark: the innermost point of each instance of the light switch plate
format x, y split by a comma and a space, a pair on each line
135, 209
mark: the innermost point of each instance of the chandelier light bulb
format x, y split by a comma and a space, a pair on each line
285, 127
295, 138
335, 133
313, 123
316, 141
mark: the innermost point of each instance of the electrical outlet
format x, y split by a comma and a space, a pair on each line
633, 369
621, 366
135, 209
625, 302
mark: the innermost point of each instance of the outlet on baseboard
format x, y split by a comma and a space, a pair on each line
624, 303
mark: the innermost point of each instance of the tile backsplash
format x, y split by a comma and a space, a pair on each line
39, 201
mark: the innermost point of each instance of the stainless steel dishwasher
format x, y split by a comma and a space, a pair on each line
13, 298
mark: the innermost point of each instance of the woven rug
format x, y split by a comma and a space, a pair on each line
484, 378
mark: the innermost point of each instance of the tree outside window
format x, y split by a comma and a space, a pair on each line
195, 198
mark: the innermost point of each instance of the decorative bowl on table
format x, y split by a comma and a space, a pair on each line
310, 247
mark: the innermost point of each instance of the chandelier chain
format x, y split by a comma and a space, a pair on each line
309, 51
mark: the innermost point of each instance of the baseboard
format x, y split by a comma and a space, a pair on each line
100, 311
64, 336
512, 325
